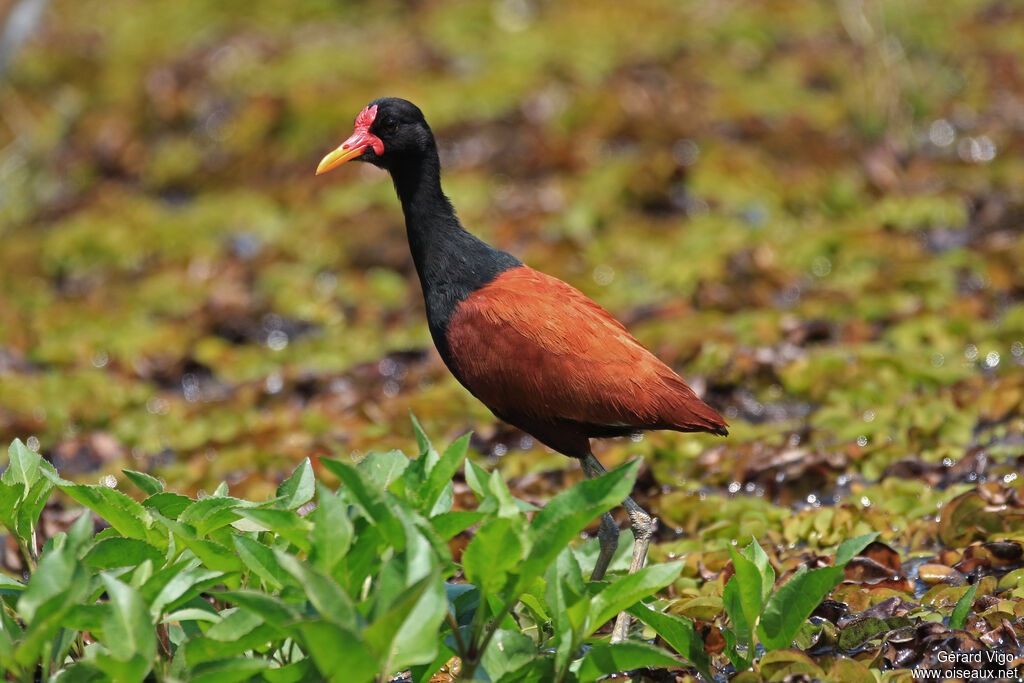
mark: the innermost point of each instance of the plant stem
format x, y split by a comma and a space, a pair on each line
457, 633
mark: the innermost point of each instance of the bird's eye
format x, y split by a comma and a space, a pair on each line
390, 125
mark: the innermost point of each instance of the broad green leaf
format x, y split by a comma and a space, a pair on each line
176, 584
383, 468
755, 553
32, 506
51, 578
296, 672
193, 614
229, 670
369, 496
744, 594
851, 548
339, 654
679, 633
209, 514
261, 561
235, 623
127, 628
147, 483
10, 496
741, 633
959, 617
422, 440
494, 551
23, 466
121, 552
604, 659
323, 592
630, 589
132, 669
168, 504
407, 633
288, 524
567, 514
476, 478
450, 524
125, 515
793, 603
298, 489
441, 475
332, 531
507, 651
270, 608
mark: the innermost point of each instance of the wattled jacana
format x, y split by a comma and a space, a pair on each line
536, 351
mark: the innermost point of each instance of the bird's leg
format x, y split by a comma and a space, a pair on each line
608, 538
608, 534
643, 526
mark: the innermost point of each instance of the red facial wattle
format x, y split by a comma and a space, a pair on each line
357, 143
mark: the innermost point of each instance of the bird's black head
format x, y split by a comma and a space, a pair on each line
387, 131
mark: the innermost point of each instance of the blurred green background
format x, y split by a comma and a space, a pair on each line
812, 210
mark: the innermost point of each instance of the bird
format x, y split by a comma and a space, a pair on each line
540, 354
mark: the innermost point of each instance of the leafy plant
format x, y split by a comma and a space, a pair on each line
775, 616
358, 589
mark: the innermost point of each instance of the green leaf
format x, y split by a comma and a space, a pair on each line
168, 504
32, 506
125, 515
383, 468
476, 478
23, 467
630, 589
740, 636
604, 659
743, 596
494, 551
851, 548
793, 603
271, 609
448, 525
421, 436
369, 497
323, 592
10, 497
148, 484
441, 474
507, 651
678, 632
755, 553
121, 552
235, 624
332, 531
229, 670
176, 584
406, 633
298, 489
50, 579
209, 514
130, 670
127, 629
959, 617
288, 524
567, 514
340, 655
261, 561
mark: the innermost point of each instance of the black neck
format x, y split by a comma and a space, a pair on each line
450, 262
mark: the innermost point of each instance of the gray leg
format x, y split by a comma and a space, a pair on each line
608, 538
643, 526
608, 534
